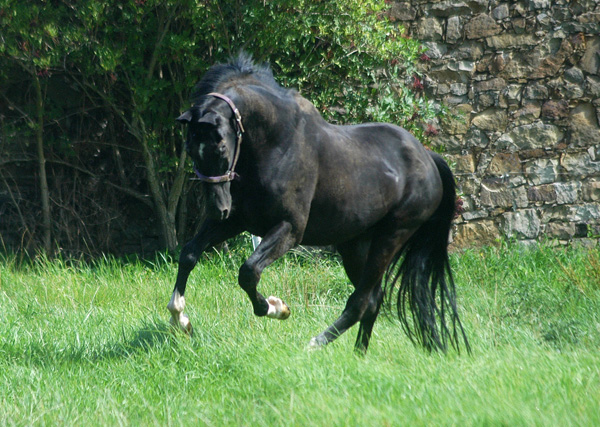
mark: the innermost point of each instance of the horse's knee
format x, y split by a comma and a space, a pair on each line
188, 258
364, 305
375, 301
248, 276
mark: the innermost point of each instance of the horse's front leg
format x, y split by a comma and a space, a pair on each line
277, 242
212, 233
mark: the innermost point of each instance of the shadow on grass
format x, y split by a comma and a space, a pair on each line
151, 336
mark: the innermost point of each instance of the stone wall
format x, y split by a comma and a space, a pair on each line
525, 76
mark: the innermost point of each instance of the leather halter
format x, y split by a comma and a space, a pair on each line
230, 175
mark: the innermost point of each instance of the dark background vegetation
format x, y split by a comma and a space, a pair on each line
90, 155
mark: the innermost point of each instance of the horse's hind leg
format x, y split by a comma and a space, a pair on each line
368, 320
364, 303
211, 233
354, 257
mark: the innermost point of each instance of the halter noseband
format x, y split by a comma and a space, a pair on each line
230, 175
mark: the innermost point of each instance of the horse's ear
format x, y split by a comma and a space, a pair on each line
185, 117
210, 119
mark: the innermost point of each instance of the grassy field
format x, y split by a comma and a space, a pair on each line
88, 344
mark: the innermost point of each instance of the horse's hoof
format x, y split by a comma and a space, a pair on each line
314, 344
277, 309
182, 324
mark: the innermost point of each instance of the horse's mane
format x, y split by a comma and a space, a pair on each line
241, 65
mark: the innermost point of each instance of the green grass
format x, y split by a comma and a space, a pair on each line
88, 344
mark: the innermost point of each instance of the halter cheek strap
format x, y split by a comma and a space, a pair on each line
230, 175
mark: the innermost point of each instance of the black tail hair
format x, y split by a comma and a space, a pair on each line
427, 288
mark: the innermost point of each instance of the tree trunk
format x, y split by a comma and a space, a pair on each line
165, 216
44, 192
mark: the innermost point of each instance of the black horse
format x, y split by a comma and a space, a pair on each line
274, 167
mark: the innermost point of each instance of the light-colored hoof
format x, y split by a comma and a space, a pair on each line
277, 309
182, 324
314, 345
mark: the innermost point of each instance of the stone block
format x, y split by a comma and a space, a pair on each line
574, 75
492, 119
513, 93
539, 4
536, 90
453, 29
592, 86
495, 193
555, 109
449, 9
459, 89
481, 26
487, 99
584, 114
462, 66
521, 64
455, 125
560, 230
511, 40
500, 12
542, 193
504, 164
429, 29
590, 61
474, 215
586, 243
567, 192
528, 114
551, 64
590, 17
594, 152
467, 50
436, 49
529, 137
469, 184
476, 138
583, 136
491, 84
463, 163
522, 224
402, 11
590, 191
476, 233
580, 165
542, 171
544, 20
584, 213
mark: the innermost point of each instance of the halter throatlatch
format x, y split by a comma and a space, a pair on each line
230, 175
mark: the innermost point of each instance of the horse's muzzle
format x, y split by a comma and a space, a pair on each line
218, 205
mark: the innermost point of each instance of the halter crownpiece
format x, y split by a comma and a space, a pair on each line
230, 175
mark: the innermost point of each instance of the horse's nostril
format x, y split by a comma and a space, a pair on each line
225, 214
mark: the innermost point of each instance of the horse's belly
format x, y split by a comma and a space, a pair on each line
328, 226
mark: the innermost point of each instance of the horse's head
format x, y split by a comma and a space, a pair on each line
213, 141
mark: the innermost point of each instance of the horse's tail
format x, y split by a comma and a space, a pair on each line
426, 285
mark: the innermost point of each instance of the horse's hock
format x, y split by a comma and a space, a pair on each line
525, 75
